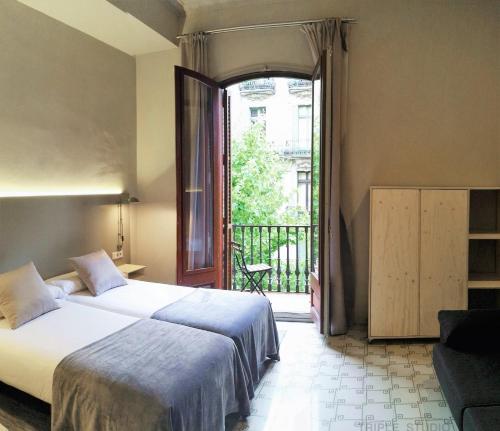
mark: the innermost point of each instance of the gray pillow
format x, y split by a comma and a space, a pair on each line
98, 272
24, 296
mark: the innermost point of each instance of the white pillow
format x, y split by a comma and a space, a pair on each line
69, 283
98, 272
55, 291
24, 296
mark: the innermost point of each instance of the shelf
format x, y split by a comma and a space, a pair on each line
484, 235
130, 270
484, 281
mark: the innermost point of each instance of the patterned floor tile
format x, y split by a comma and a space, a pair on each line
350, 396
352, 383
435, 410
379, 412
441, 425
349, 412
377, 359
377, 426
409, 425
344, 383
378, 382
407, 411
326, 382
403, 382
405, 395
430, 394
378, 396
401, 370
346, 425
377, 370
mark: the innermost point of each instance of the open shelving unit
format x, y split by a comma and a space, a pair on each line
484, 248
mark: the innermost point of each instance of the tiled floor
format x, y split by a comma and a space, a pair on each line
344, 383
290, 302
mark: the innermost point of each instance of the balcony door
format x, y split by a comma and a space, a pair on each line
199, 136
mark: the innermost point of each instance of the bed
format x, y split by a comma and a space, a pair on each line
103, 370
246, 318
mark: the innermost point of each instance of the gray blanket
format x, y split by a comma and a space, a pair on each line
247, 319
150, 376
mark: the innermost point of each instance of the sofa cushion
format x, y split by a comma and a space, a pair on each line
481, 418
470, 330
467, 379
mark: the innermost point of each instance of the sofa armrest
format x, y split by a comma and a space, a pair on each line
470, 330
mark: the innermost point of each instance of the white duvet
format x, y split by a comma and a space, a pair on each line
137, 298
30, 354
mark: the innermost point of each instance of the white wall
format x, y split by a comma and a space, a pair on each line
154, 218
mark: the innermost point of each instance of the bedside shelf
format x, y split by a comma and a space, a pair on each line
130, 270
484, 281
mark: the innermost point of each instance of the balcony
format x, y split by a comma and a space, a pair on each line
299, 85
286, 249
263, 86
296, 149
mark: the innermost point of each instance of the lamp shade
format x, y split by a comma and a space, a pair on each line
125, 198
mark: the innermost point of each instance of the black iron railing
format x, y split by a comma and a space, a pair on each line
262, 85
285, 248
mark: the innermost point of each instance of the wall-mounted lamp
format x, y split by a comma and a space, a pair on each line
125, 198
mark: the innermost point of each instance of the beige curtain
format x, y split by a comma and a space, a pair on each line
194, 52
331, 36
197, 168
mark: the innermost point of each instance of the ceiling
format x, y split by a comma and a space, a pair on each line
105, 22
197, 4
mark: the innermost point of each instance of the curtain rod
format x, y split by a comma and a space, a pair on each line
270, 25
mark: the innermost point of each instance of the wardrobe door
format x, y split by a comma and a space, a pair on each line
443, 255
394, 263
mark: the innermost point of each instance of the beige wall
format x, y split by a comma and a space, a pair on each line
67, 111
67, 126
163, 16
423, 105
154, 219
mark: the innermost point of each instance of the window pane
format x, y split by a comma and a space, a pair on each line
315, 174
197, 169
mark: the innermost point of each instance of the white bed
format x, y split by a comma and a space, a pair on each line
137, 298
30, 354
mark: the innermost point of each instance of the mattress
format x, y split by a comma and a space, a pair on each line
30, 354
138, 298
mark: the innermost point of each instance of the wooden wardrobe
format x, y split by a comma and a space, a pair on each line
419, 242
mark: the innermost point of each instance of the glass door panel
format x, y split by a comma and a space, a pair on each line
199, 179
317, 193
197, 175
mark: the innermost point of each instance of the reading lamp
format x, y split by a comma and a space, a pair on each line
125, 198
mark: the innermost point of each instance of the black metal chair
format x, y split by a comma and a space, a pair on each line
252, 274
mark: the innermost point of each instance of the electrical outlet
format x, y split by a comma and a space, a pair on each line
117, 254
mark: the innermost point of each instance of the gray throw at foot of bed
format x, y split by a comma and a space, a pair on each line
246, 318
150, 376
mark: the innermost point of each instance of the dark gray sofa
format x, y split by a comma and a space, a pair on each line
467, 363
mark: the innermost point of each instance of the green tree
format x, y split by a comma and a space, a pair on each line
257, 192
256, 180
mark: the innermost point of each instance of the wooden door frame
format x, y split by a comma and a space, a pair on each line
197, 276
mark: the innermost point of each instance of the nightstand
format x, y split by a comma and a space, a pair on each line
130, 270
